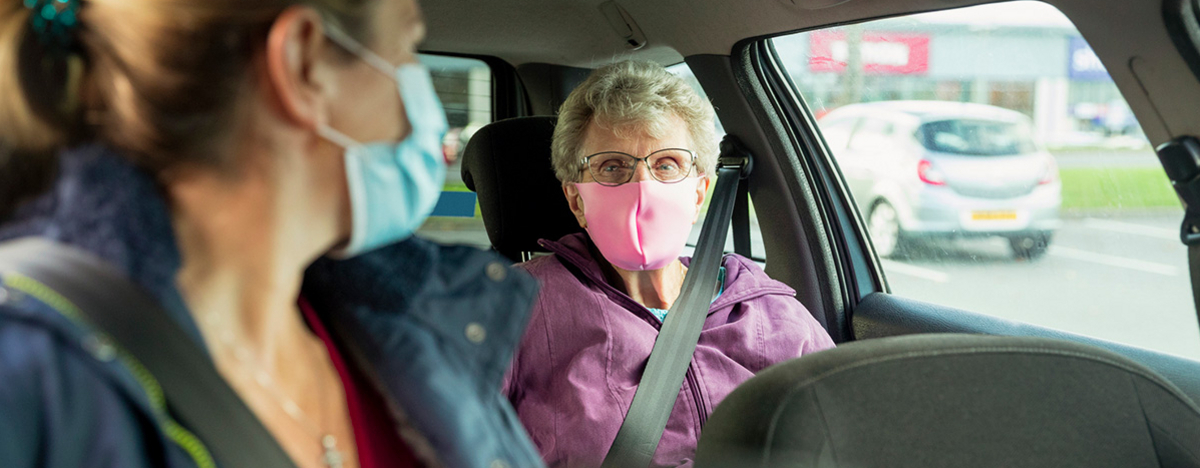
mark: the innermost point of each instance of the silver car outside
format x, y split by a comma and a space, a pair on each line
934, 169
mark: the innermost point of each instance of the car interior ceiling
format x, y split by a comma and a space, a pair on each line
813, 240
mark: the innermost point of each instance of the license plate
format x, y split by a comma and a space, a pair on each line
993, 215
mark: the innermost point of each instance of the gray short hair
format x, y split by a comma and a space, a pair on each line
628, 97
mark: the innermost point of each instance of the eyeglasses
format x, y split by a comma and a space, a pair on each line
669, 165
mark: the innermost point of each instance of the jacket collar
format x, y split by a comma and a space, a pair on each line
103, 204
744, 280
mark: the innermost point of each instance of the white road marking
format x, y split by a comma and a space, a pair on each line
892, 266
1131, 228
1112, 260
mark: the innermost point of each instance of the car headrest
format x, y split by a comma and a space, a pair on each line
507, 163
954, 401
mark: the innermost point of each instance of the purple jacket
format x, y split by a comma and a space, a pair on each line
577, 367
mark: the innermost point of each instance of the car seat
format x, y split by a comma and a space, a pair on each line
951, 400
508, 164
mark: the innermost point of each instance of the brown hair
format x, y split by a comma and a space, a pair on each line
155, 79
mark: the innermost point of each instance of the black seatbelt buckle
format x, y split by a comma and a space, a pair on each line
735, 156
1181, 161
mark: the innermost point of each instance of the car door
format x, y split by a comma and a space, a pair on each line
1115, 274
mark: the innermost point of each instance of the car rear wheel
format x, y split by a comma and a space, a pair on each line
1030, 247
884, 225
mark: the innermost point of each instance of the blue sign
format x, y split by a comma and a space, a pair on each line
1083, 64
456, 205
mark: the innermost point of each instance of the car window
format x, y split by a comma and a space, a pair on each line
1029, 191
872, 134
969, 137
465, 87
758, 249
837, 132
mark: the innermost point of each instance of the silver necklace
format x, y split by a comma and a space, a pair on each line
331, 456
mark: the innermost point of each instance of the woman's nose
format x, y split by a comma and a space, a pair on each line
641, 172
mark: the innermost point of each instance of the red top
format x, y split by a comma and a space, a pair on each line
375, 435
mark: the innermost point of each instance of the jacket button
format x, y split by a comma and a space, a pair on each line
476, 333
496, 271
498, 464
100, 348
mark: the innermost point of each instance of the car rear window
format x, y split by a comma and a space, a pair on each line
464, 86
976, 137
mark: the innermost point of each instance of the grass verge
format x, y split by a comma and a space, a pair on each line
1086, 188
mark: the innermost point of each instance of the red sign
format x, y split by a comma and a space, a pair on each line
882, 53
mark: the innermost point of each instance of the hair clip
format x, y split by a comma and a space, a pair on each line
54, 21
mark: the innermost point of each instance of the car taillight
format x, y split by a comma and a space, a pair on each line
929, 174
1050, 174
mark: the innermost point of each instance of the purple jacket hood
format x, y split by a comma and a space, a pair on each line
578, 365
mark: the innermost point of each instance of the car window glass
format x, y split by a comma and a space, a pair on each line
464, 86
756, 243
871, 135
1028, 191
837, 132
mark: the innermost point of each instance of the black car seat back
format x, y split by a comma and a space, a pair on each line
508, 164
955, 401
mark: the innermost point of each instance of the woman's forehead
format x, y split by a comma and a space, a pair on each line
635, 139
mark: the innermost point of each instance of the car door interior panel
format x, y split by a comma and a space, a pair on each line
883, 315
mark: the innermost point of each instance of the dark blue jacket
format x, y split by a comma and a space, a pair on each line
405, 309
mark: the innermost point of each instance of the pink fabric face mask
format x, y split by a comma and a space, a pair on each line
640, 225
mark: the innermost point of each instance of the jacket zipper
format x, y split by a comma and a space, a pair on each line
697, 396
653, 320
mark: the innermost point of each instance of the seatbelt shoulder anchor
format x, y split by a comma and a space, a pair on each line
1181, 161
734, 155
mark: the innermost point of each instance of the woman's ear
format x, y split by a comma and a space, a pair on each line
571, 192
701, 194
298, 70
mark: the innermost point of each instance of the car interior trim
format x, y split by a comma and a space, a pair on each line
884, 315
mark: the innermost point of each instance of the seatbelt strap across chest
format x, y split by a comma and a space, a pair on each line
195, 392
666, 368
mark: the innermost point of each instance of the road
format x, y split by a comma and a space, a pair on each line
1121, 279
1118, 278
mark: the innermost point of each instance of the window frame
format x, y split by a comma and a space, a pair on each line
509, 98
848, 215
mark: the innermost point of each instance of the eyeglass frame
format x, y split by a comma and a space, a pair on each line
587, 166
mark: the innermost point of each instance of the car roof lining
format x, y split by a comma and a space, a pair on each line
575, 33
1125, 35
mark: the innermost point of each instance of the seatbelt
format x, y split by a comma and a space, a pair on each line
741, 220
1181, 161
638, 438
198, 397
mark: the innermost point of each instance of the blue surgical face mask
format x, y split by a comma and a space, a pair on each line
393, 186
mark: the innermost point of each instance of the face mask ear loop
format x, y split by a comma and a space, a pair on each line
352, 161
374, 60
336, 137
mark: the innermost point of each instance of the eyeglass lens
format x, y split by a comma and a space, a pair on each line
668, 165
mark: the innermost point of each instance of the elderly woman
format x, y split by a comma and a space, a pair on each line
634, 148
